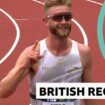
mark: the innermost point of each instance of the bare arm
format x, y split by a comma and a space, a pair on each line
86, 58
9, 83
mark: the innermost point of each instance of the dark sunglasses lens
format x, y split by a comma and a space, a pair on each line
68, 17
57, 18
60, 17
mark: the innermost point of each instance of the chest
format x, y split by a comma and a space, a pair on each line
55, 69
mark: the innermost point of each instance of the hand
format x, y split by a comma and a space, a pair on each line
29, 56
20, 70
34, 53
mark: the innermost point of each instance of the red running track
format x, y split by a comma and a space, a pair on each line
28, 15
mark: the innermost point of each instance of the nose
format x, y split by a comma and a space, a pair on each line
63, 20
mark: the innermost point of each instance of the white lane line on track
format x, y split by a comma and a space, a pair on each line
16, 39
94, 2
38, 2
82, 31
80, 27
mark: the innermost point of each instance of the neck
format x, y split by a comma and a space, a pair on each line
58, 45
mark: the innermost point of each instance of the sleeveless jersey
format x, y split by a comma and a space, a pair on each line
54, 68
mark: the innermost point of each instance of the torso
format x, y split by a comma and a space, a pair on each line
69, 66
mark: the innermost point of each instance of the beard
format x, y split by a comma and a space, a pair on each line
61, 30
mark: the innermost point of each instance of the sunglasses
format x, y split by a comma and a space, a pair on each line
59, 17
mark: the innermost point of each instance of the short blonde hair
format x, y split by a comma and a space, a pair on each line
51, 3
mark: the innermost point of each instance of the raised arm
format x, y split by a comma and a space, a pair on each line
28, 57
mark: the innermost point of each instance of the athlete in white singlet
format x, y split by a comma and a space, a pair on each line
57, 58
54, 68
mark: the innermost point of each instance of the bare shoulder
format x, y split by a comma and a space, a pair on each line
25, 51
30, 48
85, 54
84, 49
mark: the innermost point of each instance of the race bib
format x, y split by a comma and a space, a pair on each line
57, 103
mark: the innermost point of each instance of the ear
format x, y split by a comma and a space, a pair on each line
45, 20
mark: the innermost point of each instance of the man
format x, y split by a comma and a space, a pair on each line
53, 59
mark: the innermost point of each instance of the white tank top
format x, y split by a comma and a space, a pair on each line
52, 68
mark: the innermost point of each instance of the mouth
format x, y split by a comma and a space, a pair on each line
63, 28
66, 26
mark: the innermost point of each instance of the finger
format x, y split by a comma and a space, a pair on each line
37, 56
34, 55
35, 59
40, 57
35, 45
